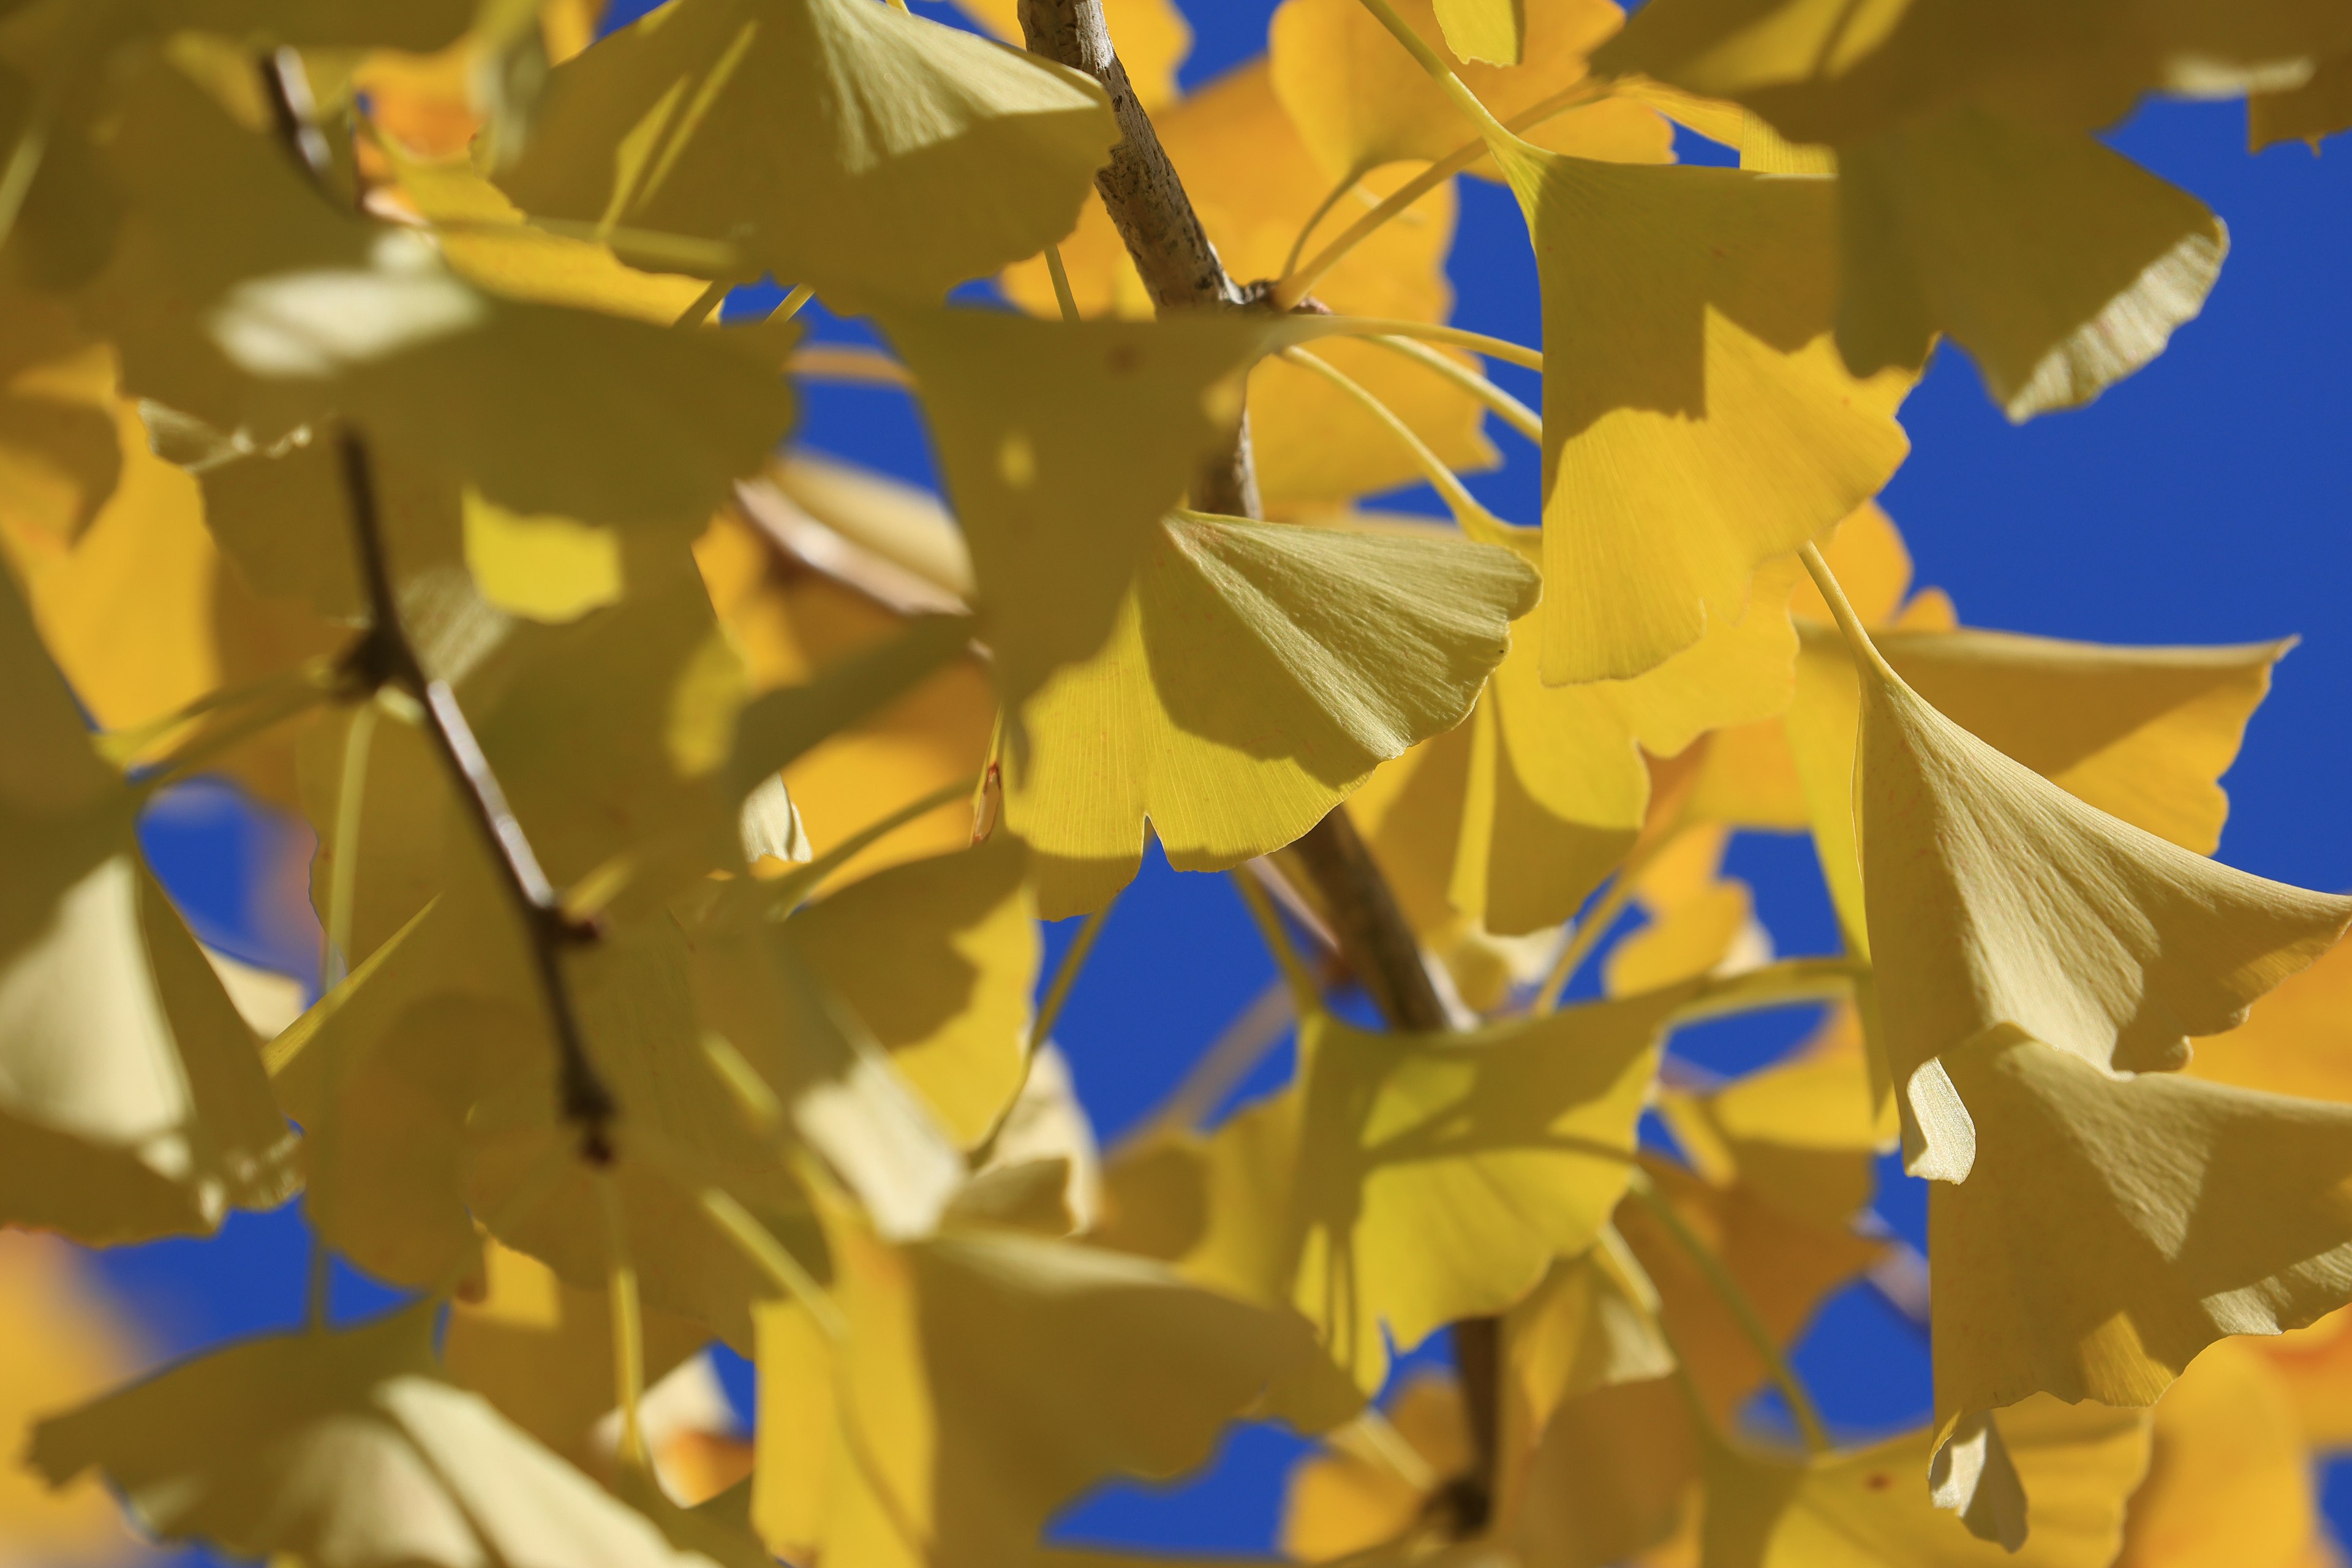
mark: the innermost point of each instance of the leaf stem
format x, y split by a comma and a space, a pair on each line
628, 1322
1474, 519
386, 656
1061, 277
1298, 281
846, 362
1789, 982
1514, 412
1302, 328
772, 1258
1857, 638
1065, 974
1453, 86
1336, 195
1737, 1301
1587, 936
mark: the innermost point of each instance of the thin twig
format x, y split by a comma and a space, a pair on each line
386, 656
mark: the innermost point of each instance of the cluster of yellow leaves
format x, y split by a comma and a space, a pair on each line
318, 311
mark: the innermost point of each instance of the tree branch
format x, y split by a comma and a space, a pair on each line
385, 656
1180, 269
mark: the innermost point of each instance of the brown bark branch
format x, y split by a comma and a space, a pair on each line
1180, 269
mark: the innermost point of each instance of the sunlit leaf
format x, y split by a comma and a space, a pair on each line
2230, 1478
1405, 1183
2319, 107
1996, 898
62, 1339
1697, 420
1256, 674
345, 1449
971, 156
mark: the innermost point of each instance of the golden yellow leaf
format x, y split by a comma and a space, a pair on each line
1865, 1508
1700, 922
2061, 266
1994, 896
62, 1339
2319, 108
1516, 815
939, 958
1822, 72
2315, 1365
2114, 1228
347, 1450
982, 1378
936, 155
1062, 444
1697, 420
1361, 102
240, 298
1609, 1477
1153, 39
59, 456
546, 568
1404, 1183
541, 1352
1256, 674
2297, 1040
2230, 1480
1254, 183
1359, 1491
132, 1096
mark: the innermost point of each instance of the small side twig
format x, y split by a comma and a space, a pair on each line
385, 656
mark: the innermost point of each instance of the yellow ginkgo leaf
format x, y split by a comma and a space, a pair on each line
1700, 922
1361, 102
939, 959
1697, 420
1406, 1183
1994, 896
980, 1379
58, 457
937, 155
1610, 1478
1593, 1323
485, 237
2059, 264
132, 1097
1371, 1485
1256, 674
788, 622
541, 1351
2230, 1479
1822, 75
1253, 182
2078, 1466
243, 298
546, 568
2114, 1228
2315, 1365
1062, 444
2297, 1040
2319, 107
347, 1450
62, 1339
1153, 39
1518, 815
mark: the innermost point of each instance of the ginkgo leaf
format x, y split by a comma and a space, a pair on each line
344, 1449
485, 238
1517, 816
984, 1377
1818, 75
1701, 922
1359, 101
1359, 1492
241, 296
2319, 107
789, 624
132, 1096
2114, 1228
2079, 1466
1256, 674
2314, 1363
412, 25
1609, 1477
2230, 1479
2297, 1040
59, 459
1996, 898
1152, 34
940, 959
63, 1338
1697, 420
1253, 182
1405, 1183
541, 1351
1062, 444
2061, 266
937, 155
